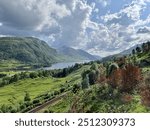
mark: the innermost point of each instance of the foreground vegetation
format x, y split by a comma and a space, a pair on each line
120, 85
40, 86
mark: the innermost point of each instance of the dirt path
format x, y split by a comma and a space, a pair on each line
36, 109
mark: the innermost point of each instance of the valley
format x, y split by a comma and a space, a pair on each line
116, 84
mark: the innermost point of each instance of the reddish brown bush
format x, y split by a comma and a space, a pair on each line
145, 96
131, 77
115, 80
126, 98
126, 79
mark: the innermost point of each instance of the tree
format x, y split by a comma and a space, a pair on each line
85, 82
131, 77
65, 72
94, 66
76, 88
92, 77
97, 73
148, 45
145, 47
85, 73
15, 77
115, 79
133, 52
112, 68
138, 49
27, 97
24, 75
33, 75
125, 79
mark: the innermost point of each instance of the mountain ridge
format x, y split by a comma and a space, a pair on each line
32, 50
79, 54
27, 50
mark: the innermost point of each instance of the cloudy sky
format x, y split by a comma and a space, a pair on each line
101, 27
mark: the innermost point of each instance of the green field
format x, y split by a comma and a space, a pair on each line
61, 106
35, 87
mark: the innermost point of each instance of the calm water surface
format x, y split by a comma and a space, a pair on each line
62, 65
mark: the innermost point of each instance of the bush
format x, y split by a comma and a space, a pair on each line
104, 92
125, 79
33, 75
56, 93
62, 90
85, 82
36, 101
92, 77
5, 109
2, 75
145, 96
76, 88
46, 111
126, 98
22, 106
27, 97
112, 68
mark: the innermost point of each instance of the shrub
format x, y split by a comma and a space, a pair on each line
131, 77
56, 93
125, 79
85, 73
22, 106
112, 68
85, 82
62, 90
2, 75
145, 96
27, 97
92, 77
76, 88
35, 101
126, 98
104, 92
33, 75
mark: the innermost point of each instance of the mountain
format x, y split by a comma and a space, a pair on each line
129, 51
75, 54
27, 50
35, 51
123, 53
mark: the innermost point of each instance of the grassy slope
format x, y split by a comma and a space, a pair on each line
35, 87
61, 106
9, 64
96, 105
27, 50
64, 105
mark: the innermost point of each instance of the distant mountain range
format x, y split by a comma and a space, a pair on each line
35, 51
125, 52
76, 54
129, 51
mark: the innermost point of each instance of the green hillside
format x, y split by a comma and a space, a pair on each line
106, 96
27, 50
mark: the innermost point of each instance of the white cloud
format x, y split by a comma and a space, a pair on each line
31, 14
96, 10
129, 14
143, 30
104, 3
73, 23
